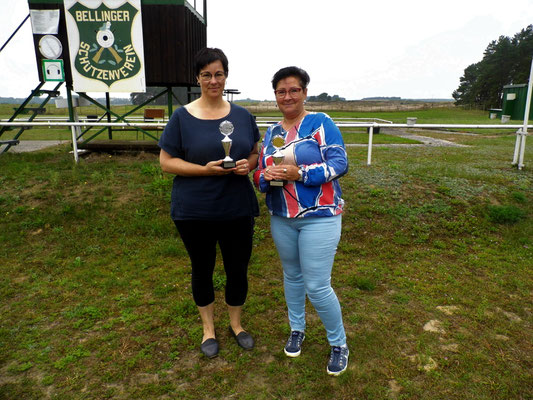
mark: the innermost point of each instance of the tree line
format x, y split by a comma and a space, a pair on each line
505, 61
139, 98
325, 97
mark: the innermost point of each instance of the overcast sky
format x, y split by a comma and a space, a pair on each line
355, 49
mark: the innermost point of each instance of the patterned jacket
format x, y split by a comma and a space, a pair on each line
316, 146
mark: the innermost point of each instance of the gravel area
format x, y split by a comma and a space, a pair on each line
427, 141
33, 145
424, 140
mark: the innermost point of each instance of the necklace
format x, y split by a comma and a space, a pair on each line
294, 122
285, 133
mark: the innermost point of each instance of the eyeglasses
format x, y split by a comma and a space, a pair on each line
293, 92
207, 76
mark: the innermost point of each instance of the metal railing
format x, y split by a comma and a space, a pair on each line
518, 158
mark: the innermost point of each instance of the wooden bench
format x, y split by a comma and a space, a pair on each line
35, 110
154, 113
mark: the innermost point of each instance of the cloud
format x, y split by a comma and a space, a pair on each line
430, 68
380, 48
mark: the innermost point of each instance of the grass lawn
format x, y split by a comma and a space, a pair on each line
433, 272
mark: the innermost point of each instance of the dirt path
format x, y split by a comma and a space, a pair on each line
425, 140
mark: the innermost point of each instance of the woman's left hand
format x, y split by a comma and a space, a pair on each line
242, 167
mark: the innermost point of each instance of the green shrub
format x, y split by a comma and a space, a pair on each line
519, 197
505, 214
362, 282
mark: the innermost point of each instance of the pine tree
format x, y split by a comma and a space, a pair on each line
505, 61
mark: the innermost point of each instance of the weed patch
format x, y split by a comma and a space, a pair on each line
507, 214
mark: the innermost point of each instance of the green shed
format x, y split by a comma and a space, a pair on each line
514, 101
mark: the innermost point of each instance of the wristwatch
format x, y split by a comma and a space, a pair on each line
301, 173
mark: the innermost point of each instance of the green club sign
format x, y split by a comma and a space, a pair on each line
104, 49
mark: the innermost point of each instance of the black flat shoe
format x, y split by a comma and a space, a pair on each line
210, 348
244, 339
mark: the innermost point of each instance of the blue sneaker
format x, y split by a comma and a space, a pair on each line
293, 348
338, 360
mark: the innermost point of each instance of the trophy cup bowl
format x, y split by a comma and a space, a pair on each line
278, 157
226, 128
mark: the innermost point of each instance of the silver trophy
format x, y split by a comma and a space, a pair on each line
226, 128
278, 142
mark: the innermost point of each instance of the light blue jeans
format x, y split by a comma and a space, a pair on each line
307, 248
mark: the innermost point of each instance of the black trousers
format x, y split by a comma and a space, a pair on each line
234, 238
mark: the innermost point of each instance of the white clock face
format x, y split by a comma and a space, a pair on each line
50, 47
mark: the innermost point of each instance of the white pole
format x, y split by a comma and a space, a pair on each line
518, 157
74, 144
522, 149
517, 146
526, 118
74, 130
370, 135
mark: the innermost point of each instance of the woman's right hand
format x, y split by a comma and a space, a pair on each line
215, 168
283, 172
267, 174
178, 166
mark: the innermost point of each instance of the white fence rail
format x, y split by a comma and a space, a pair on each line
518, 158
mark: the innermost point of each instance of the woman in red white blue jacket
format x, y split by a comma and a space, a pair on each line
304, 198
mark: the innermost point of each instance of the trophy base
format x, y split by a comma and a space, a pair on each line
228, 164
277, 183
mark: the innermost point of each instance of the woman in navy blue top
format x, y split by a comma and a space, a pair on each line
211, 204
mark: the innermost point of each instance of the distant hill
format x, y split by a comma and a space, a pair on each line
378, 98
336, 98
381, 98
123, 100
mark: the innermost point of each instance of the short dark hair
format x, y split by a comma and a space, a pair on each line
207, 56
291, 71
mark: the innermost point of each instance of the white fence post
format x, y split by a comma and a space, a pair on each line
370, 136
521, 134
74, 144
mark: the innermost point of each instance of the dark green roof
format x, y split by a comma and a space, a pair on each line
154, 2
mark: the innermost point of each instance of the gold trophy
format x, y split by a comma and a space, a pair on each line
226, 128
278, 142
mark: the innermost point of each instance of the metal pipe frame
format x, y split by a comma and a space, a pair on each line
117, 116
264, 125
371, 126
